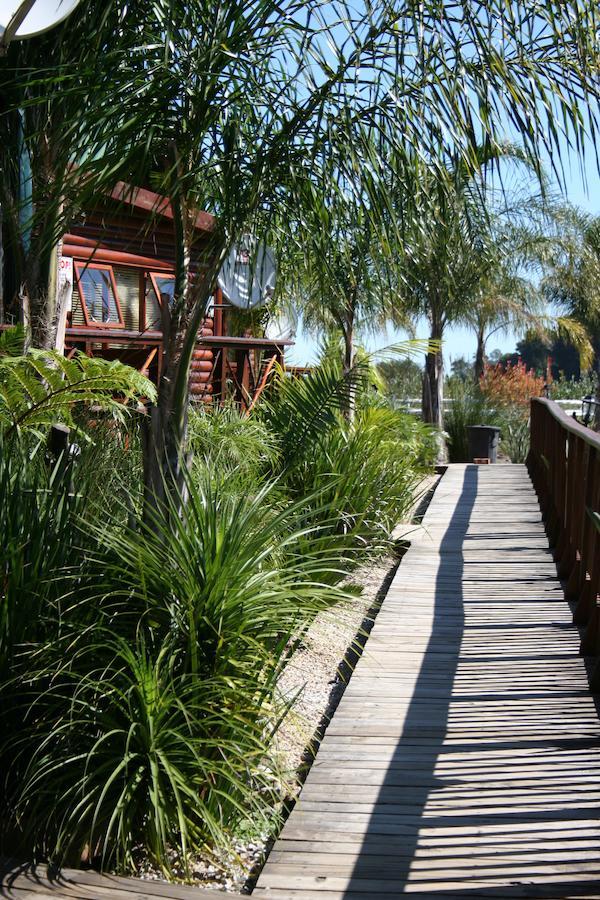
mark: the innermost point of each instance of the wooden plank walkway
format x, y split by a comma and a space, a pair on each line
464, 758
29, 882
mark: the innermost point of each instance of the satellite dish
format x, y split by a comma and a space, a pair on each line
26, 18
247, 278
283, 326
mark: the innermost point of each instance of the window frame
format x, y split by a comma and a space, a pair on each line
154, 276
90, 322
150, 276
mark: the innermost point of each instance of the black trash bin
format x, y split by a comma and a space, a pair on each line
483, 442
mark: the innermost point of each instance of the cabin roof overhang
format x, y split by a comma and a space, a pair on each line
150, 202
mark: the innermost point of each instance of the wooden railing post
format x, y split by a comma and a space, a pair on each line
564, 463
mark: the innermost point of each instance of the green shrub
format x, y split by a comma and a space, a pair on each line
239, 450
563, 388
40, 545
514, 433
366, 470
140, 659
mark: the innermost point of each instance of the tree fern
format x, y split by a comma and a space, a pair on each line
43, 387
12, 341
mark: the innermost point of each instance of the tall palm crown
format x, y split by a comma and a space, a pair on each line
233, 107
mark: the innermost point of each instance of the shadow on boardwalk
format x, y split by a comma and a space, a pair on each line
433, 687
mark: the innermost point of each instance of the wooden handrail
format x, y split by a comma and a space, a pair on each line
568, 422
564, 463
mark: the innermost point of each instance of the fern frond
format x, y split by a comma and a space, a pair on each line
44, 387
12, 341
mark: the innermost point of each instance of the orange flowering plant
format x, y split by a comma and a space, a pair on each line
511, 385
508, 389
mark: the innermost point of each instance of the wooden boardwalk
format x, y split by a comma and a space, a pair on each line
464, 758
30, 882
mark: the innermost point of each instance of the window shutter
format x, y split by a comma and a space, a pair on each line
128, 290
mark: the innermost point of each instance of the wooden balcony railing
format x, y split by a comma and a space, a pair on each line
564, 463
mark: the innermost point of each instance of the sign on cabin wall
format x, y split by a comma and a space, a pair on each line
65, 282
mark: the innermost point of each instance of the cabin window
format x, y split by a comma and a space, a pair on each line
158, 285
98, 294
128, 292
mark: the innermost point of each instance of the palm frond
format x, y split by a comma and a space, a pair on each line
575, 333
301, 410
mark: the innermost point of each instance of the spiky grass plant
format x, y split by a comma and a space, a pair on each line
39, 544
469, 407
147, 722
368, 471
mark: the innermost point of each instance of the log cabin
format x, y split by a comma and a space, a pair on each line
122, 269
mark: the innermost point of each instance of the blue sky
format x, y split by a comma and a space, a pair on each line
460, 341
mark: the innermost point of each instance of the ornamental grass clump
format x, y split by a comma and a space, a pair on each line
366, 467
146, 709
468, 407
367, 470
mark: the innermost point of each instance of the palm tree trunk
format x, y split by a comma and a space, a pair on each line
348, 326
433, 380
348, 347
479, 367
165, 461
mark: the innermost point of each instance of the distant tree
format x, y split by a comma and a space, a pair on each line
536, 352
453, 255
572, 279
343, 268
461, 369
402, 379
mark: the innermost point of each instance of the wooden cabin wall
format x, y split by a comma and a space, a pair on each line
129, 230
136, 244
201, 374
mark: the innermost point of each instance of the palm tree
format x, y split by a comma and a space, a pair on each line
451, 258
572, 281
39, 188
508, 297
234, 107
343, 269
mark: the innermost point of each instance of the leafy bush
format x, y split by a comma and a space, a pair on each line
510, 385
238, 449
509, 389
403, 380
514, 433
563, 388
366, 471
